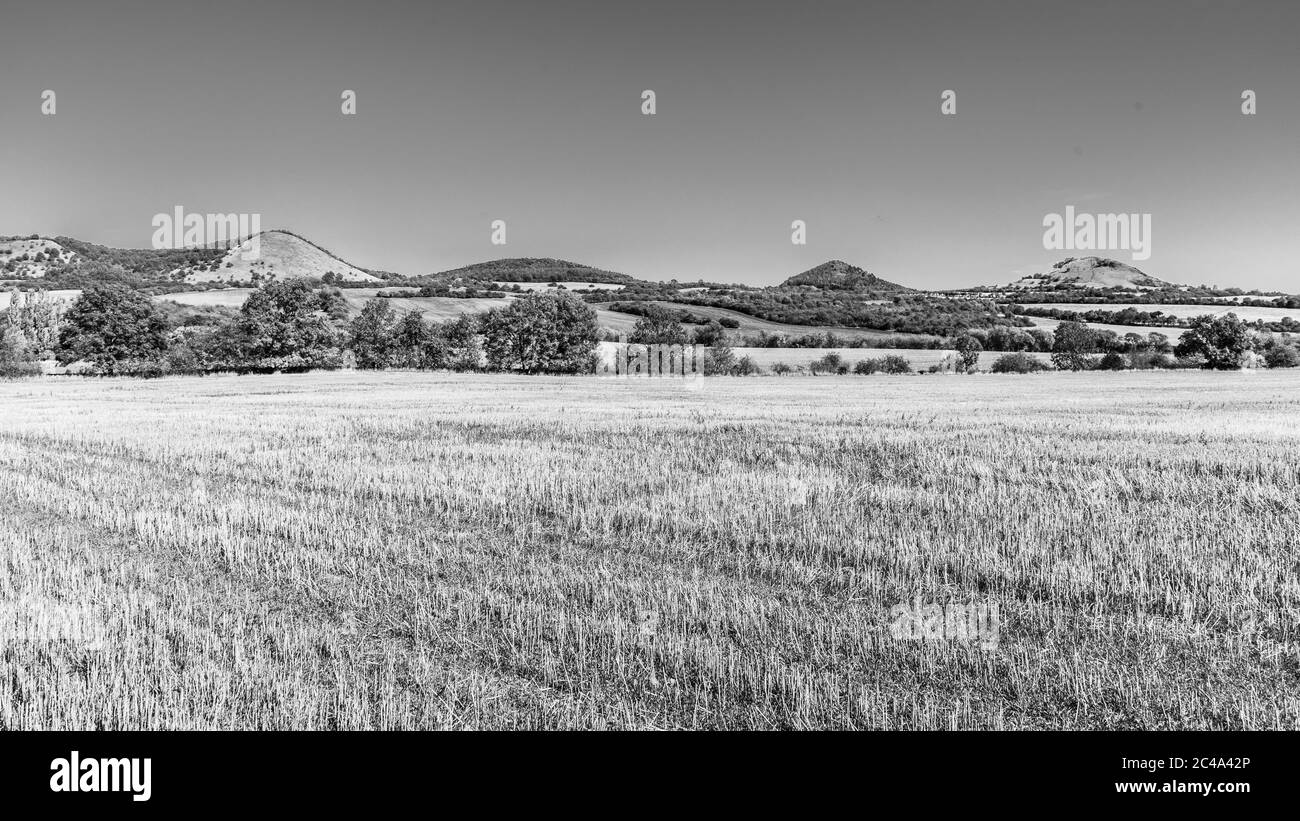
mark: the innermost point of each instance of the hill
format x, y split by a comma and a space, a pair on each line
31, 257
839, 275
283, 255
1091, 272
533, 269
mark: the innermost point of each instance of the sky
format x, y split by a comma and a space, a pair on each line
766, 113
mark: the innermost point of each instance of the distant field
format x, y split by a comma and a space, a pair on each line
1186, 311
412, 550
435, 308
1173, 333
919, 359
626, 322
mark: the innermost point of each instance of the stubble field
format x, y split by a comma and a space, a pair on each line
414, 550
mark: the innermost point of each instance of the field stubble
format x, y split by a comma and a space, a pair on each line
414, 550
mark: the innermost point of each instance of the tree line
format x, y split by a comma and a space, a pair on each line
299, 325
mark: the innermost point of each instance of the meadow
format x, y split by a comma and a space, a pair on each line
422, 550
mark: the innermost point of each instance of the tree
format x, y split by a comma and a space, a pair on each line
1071, 345
113, 328
15, 357
371, 335
658, 326
968, 351
707, 334
36, 317
1221, 341
1159, 343
289, 325
1112, 361
461, 344
416, 345
1278, 354
543, 332
719, 360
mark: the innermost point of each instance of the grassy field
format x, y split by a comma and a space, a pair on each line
410, 550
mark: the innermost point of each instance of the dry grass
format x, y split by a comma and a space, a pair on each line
417, 550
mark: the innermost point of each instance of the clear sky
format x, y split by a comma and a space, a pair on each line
530, 112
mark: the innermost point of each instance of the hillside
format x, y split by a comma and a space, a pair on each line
840, 275
1090, 272
282, 256
30, 257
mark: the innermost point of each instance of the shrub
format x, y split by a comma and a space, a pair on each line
719, 360
1281, 355
894, 363
866, 367
830, 363
781, 368
1112, 361
1018, 363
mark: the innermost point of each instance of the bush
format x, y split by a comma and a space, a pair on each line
746, 366
1112, 361
893, 363
719, 360
1018, 363
830, 363
781, 368
1281, 355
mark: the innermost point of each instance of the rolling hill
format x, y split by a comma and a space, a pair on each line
1091, 272
282, 255
533, 269
31, 257
840, 275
